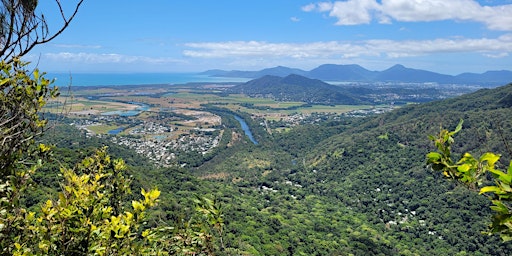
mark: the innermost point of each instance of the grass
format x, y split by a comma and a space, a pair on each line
102, 129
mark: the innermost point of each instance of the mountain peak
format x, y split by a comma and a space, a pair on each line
397, 67
356, 73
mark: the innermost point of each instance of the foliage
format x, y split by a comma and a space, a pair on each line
472, 172
91, 217
21, 99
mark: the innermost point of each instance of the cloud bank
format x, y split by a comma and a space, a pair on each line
495, 47
93, 58
355, 12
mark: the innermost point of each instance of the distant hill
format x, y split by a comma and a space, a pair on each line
331, 72
490, 77
275, 71
399, 73
355, 73
296, 88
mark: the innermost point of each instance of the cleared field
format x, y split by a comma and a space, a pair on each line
85, 106
187, 102
102, 129
338, 109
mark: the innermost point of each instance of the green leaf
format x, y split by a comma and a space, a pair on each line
491, 158
457, 129
5, 80
499, 207
434, 156
506, 237
463, 168
505, 177
138, 206
489, 189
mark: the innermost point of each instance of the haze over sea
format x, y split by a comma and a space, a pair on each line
119, 79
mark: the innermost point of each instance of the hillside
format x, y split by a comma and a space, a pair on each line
296, 88
362, 187
338, 186
355, 73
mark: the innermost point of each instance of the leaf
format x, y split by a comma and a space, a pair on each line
489, 189
138, 206
505, 177
2, 82
154, 194
434, 156
463, 168
499, 207
491, 158
506, 237
458, 128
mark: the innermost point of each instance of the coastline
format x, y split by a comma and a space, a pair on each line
125, 79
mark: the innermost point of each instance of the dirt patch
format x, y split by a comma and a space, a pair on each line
215, 176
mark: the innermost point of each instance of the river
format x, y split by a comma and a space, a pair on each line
246, 129
141, 108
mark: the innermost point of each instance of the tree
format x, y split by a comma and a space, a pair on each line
473, 172
22, 95
22, 28
92, 214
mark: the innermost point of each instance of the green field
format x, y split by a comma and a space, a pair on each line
183, 99
102, 129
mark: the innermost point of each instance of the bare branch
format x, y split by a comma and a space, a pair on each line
26, 29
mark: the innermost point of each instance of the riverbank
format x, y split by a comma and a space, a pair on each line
246, 129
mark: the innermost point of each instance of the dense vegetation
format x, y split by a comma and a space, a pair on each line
363, 185
350, 185
342, 186
337, 187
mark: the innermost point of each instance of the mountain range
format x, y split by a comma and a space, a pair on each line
355, 73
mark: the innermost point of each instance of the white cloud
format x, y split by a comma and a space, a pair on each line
309, 7
497, 55
77, 46
93, 58
294, 19
500, 46
353, 12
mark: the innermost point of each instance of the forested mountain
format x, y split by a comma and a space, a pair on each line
296, 88
362, 186
356, 73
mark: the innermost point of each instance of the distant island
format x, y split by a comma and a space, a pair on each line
355, 73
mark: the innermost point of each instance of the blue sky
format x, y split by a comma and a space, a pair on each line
446, 36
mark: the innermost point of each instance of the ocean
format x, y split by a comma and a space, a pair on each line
115, 79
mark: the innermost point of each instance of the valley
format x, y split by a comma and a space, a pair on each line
156, 120
322, 179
